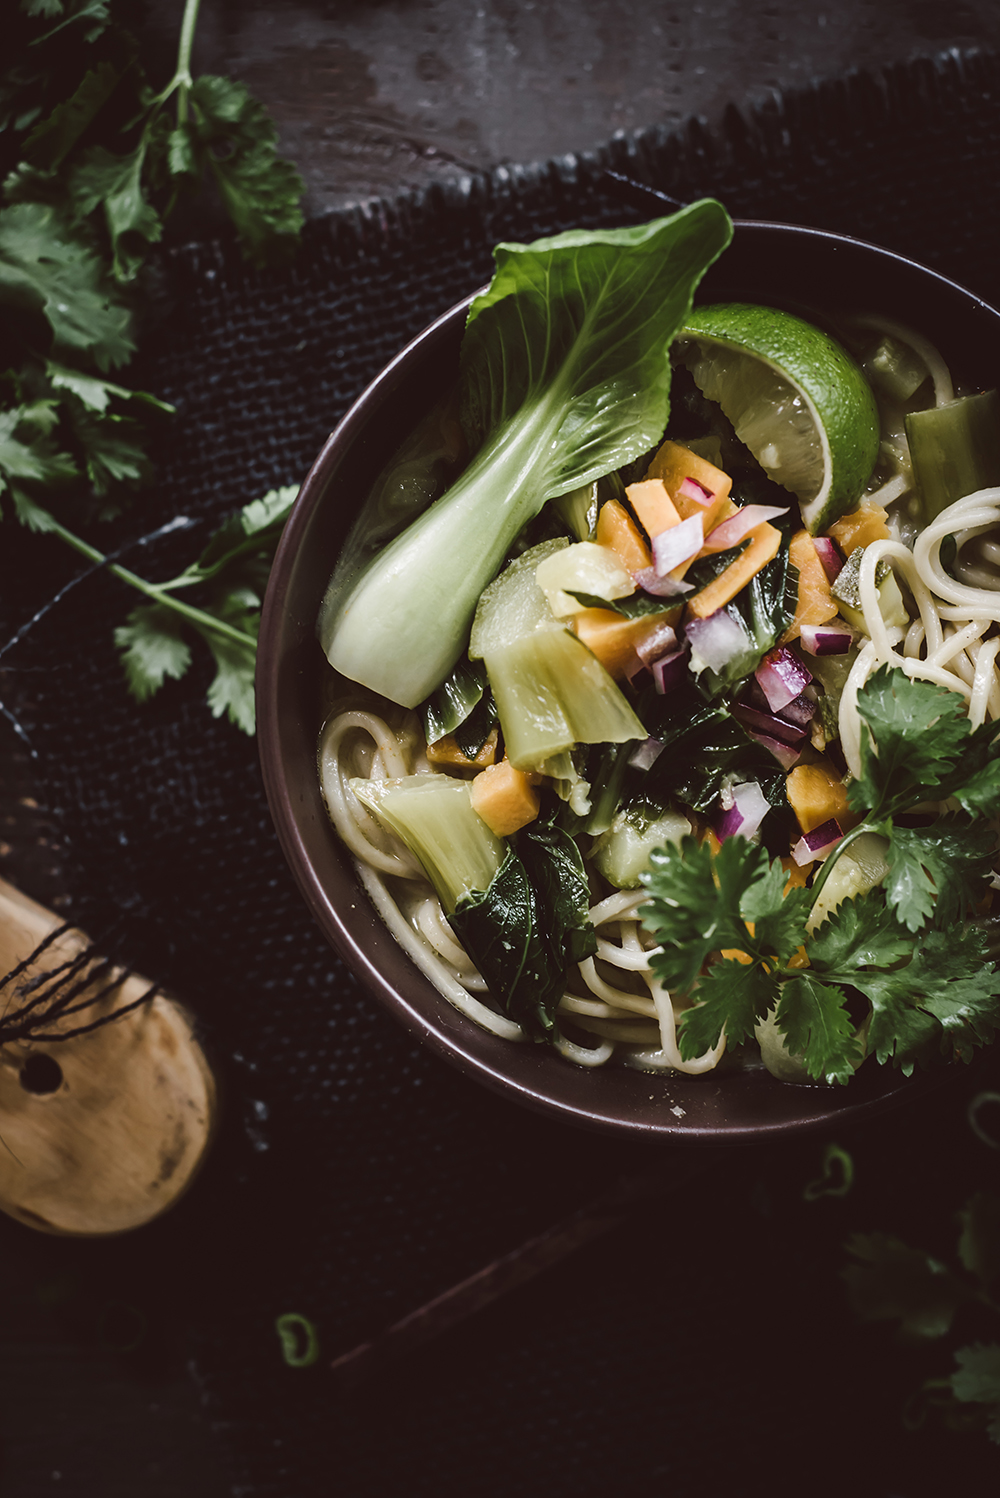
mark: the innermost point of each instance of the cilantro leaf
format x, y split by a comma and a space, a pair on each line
893, 1282
46, 268
153, 649
694, 908
232, 690
113, 449
94, 16
978, 1378
938, 871
779, 919
859, 934
232, 571
919, 730
814, 1020
27, 451
102, 179
234, 136
978, 788
945, 999
733, 994
54, 137
96, 393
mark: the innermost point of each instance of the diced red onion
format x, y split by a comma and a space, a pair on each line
783, 753
826, 639
767, 723
634, 666
649, 579
817, 844
829, 555
669, 671
782, 677
717, 639
677, 545
658, 642
646, 755
732, 531
750, 807
696, 491
800, 711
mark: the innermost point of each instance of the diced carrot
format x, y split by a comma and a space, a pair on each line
613, 638
816, 793
815, 603
673, 464
446, 754
709, 838
505, 798
653, 505
797, 873
861, 527
764, 543
617, 529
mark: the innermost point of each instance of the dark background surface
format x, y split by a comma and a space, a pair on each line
703, 1346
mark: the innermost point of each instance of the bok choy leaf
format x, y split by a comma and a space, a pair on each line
564, 376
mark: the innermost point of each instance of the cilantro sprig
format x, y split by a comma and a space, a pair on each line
890, 1281
94, 160
729, 934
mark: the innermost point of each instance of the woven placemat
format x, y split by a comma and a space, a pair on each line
355, 1175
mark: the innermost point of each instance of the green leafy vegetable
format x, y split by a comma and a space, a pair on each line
94, 167
891, 1281
565, 375
937, 995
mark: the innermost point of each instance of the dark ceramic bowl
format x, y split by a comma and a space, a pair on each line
799, 269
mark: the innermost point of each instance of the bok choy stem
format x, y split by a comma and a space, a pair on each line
565, 376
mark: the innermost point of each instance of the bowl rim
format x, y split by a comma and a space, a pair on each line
444, 1031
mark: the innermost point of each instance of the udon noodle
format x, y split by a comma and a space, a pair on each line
613, 1004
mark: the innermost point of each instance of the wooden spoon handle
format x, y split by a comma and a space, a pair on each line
99, 1132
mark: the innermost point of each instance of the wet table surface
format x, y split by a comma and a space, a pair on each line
371, 97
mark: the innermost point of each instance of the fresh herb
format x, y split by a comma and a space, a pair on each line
230, 576
95, 160
565, 376
936, 995
890, 1281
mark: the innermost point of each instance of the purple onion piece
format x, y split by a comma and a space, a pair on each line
817, 844
732, 531
669, 671
750, 807
634, 667
696, 491
646, 755
677, 545
717, 639
783, 753
782, 678
800, 711
829, 555
650, 581
767, 723
826, 639
658, 642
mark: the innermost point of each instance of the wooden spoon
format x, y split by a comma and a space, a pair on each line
101, 1132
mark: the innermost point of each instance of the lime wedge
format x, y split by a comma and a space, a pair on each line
797, 400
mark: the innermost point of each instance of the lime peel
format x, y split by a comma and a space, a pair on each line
798, 400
